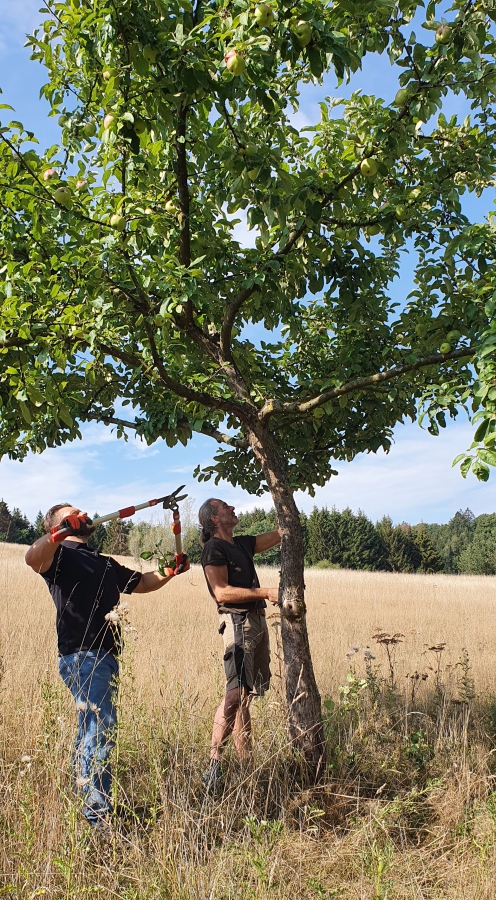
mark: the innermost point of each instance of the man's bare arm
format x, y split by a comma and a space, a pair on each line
267, 541
151, 581
40, 555
225, 594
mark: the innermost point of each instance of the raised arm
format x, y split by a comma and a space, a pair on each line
40, 555
225, 594
267, 541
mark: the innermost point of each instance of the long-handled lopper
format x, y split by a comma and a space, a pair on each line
170, 501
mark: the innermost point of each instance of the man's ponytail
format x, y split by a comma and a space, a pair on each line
206, 511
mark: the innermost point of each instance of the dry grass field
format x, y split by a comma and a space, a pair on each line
407, 805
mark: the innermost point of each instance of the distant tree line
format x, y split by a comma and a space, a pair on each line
343, 539
333, 539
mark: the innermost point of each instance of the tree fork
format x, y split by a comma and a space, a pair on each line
302, 694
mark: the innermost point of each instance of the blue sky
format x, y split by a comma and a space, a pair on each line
414, 482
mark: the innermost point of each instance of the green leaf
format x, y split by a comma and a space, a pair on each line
487, 456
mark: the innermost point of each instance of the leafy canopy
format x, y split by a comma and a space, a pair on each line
123, 285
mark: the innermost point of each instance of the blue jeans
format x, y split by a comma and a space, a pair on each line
91, 676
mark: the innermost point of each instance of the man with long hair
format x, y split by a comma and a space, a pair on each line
232, 581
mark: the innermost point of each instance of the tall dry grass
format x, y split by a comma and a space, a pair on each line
405, 809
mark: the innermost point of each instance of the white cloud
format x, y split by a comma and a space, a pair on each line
414, 482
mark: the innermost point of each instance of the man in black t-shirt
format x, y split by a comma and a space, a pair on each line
232, 581
86, 587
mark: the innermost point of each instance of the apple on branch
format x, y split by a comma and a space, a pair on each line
263, 15
234, 62
368, 167
108, 121
118, 222
107, 74
303, 32
443, 34
48, 174
402, 97
89, 129
62, 195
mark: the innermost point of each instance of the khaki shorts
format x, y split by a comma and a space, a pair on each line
246, 651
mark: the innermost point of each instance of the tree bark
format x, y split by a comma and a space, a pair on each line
302, 694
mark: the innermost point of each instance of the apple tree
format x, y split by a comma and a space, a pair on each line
127, 299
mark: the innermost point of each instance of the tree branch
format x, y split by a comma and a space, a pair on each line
221, 438
14, 342
182, 181
206, 429
232, 309
274, 407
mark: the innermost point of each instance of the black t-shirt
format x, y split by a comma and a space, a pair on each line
85, 586
238, 557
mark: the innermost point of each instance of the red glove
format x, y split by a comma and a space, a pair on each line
78, 526
183, 566
179, 568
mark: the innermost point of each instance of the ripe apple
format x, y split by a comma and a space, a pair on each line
371, 230
400, 212
150, 53
263, 15
445, 347
48, 174
107, 74
80, 185
303, 31
139, 126
108, 120
368, 167
148, 211
89, 129
63, 196
443, 34
118, 222
401, 97
234, 62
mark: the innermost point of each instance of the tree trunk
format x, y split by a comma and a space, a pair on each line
304, 705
